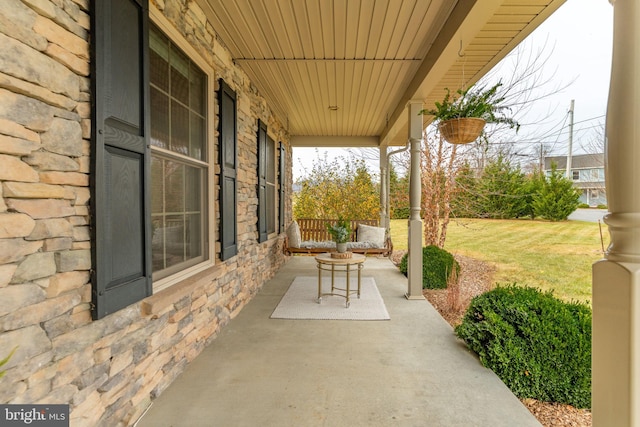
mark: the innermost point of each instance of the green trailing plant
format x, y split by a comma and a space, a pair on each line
6, 360
339, 231
537, 344
479, 102
438, 267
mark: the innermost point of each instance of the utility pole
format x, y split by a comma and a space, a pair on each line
569, 153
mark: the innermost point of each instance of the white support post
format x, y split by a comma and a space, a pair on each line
384, 189
616, 279
414, 267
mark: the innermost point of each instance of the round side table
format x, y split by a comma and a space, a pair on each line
327, 263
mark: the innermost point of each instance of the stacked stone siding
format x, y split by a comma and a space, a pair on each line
108, 370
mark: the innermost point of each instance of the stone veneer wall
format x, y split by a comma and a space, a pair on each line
107, 370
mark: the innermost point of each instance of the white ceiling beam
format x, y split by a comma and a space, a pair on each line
335, 141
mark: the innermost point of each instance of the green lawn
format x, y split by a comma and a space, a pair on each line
546, 255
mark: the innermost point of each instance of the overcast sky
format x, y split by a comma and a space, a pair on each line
580, 35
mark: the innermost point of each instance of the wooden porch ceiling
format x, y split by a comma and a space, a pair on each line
340, 72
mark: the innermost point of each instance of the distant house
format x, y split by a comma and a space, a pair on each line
587, 173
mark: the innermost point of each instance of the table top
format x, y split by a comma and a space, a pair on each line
327, 259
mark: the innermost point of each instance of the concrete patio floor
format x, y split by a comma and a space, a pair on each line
407, 371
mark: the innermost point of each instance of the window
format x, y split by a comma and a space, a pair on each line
594, 175
267, 174
150, 161
576, 175
179, 154
271, 185
281, 180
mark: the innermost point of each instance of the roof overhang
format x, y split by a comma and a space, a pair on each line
340, 73
335, 141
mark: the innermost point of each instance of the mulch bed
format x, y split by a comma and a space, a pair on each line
476, 277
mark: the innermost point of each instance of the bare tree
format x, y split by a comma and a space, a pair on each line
595, 144
440, 163
523, 83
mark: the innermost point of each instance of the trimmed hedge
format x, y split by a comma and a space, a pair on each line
537, 344
437, 265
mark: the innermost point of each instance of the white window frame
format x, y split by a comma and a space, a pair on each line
158, 19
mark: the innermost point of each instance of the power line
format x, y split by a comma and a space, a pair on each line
562, 130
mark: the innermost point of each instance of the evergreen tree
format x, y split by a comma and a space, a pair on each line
465, 199
532, 186
557, 198
502, 190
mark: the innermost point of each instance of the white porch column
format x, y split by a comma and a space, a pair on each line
384, 189
414, 267
616, 279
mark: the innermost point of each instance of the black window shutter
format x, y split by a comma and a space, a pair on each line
262, 182
228, 166
281, 180
120, 214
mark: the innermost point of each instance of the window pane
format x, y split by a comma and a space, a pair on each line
177, 201
157, 242
198, 134
197, 90
271, 208
193, 190
271, 160
159, 60
174, 187
157, 185
174, 240
179, 129
179, 76
159, 119
194, 245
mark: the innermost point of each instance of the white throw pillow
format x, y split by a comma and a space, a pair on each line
293, 233
373, 235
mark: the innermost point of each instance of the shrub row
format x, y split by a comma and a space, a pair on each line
537, 344
504, 191
437, 266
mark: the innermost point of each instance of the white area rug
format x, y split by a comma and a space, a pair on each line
300, 301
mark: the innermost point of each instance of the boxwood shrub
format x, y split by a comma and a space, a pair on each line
437, 265
537, 344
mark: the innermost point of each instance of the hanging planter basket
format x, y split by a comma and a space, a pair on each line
461, 130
